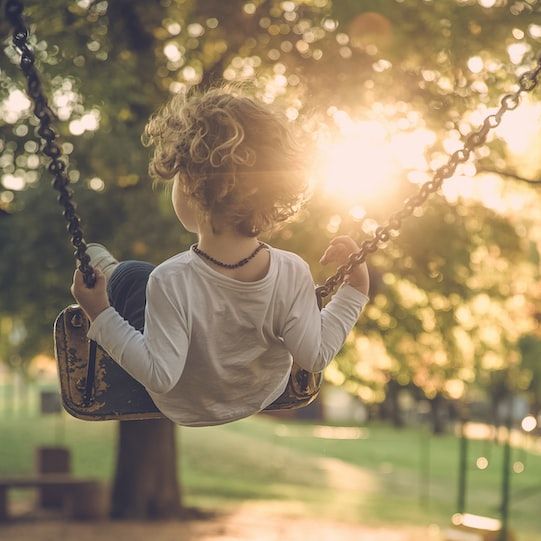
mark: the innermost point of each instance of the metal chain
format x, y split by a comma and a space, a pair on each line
57, 167
526, 83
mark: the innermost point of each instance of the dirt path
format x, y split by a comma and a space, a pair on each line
248, 523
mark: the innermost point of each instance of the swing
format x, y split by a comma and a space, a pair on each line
93, 386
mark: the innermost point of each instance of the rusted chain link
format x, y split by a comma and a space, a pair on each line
57, 167
526, 83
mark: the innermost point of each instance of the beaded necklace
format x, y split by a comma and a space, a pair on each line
241, 263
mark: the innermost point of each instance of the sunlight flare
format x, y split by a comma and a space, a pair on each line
365, 160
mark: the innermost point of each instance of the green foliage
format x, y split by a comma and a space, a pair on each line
441, 291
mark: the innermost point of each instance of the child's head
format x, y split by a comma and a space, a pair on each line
234, 159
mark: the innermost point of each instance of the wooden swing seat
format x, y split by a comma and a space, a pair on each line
115, 395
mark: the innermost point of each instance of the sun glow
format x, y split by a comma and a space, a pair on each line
356, 164
365, 160
520, 128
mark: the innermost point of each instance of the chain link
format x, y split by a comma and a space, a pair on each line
526, 83
57, 167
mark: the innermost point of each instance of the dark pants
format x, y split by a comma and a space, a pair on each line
127, 291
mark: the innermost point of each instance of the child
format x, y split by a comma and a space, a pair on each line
224, 320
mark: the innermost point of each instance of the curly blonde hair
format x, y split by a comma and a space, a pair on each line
237, 159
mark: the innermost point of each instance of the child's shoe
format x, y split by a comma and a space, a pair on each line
101, 259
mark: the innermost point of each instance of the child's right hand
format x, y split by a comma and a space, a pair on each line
338, 252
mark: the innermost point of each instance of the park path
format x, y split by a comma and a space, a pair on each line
248, 523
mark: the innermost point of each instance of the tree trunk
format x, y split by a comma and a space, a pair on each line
381, 410
393, 392
436, 415
495, 418
146, 484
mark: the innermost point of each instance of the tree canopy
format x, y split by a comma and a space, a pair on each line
401, 80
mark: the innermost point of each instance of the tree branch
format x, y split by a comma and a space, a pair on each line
509, 174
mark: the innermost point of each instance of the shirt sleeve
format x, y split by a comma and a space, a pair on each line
156, 357
314, 337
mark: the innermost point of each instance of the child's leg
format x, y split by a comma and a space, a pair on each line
127, 291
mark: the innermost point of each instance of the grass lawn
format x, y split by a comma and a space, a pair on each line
374, 475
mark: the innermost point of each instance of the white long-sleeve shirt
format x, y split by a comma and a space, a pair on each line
215, 349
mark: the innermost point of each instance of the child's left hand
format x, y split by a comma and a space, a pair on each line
338, 252
92, 300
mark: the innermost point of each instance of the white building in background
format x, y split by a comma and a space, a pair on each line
341, 407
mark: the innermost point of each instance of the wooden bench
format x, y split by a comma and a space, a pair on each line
83, 498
